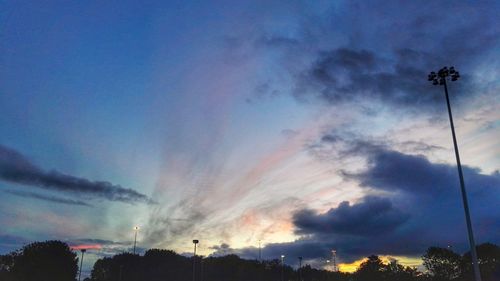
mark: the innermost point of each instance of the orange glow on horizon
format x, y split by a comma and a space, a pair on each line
86, 247
351, 267
405, 261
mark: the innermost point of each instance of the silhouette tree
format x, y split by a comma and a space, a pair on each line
159, 264
6, 264
443, 264
397, 272
489, 262
122, 267
371, 270
50, 260
38, 260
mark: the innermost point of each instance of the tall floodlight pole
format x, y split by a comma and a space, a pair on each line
136, 228
282, 267
81, 264
194, 258
300, 269
440, 79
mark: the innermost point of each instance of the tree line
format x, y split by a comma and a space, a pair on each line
55, 261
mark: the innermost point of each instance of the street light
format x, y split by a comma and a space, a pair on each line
282, 267
194, 257
440, 79
136, 228
81, 264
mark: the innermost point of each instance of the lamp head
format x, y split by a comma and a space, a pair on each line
196, 241
440, 77
136, 228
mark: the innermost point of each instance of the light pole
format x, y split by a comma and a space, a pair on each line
334, 259
440, 79
194, 257
81, 264
282, 267
300, 269
136, 228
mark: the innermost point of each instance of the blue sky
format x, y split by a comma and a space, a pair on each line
238, 122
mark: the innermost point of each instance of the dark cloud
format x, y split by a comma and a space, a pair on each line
373, 216
223, 250
99, 242
418, 205
395, 171
344, 74
16, 168
47, 198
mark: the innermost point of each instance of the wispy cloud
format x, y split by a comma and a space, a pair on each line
16, 168
47, 197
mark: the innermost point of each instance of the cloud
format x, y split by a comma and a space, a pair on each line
382, 51
411, 204
222, 250
372, 216
16, 168
395, 171
347, 74
166, 224
47, 198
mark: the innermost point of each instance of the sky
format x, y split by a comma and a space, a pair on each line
306, 125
